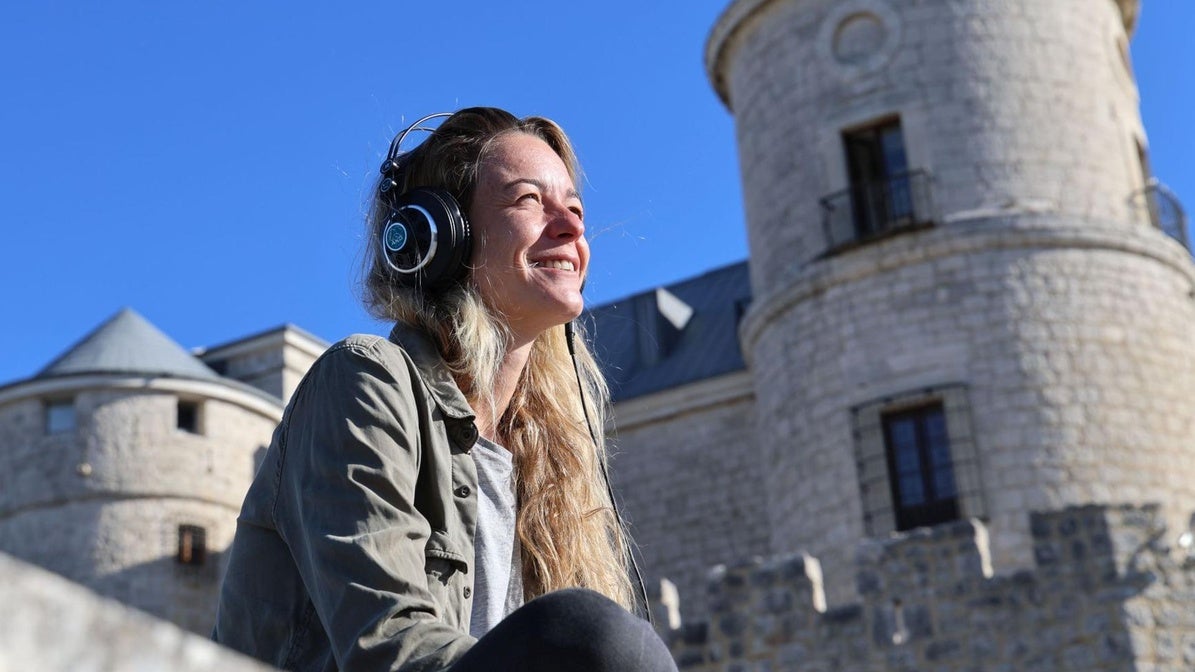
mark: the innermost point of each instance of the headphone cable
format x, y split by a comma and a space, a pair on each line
569, 335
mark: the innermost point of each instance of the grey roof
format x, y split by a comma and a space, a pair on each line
642, 352
128, 343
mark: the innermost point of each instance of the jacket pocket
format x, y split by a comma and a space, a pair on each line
447, 579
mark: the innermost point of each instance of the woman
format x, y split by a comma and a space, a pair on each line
420, 488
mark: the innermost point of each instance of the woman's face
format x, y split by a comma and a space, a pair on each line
531, 252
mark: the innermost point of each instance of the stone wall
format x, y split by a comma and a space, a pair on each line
689, 484
1017, 105
274, 361
127, 443
1106, 594
1070, 403
102, 504
1025, 115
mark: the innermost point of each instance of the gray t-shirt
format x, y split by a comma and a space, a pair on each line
498, 585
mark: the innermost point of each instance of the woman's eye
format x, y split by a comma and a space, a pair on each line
530, 196
578, 212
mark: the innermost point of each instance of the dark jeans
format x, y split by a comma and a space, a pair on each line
571, 630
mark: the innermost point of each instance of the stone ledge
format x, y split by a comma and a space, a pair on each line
958, 239
57, 625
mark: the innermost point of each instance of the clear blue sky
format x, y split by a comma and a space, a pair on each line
207, 163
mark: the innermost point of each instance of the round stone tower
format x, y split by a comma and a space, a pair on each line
123, 466
966, 301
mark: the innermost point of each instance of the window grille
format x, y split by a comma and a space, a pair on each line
916, 459
192, 545
884, 195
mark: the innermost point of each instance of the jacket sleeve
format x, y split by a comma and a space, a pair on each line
345, 507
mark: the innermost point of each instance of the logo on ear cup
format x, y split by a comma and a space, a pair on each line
395, 236
425, 240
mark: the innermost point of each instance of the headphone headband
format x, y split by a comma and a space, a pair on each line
396, 143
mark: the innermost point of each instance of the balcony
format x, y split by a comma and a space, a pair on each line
1165, 211
870, 210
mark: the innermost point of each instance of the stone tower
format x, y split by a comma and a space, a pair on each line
124, 461
965, 301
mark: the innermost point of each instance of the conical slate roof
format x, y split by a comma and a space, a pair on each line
128, 343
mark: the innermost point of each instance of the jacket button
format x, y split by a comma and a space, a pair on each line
468, 592
463, 491
464, 434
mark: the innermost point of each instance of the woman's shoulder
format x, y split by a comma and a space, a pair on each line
360, 358
407, 360
404, 343
369, 346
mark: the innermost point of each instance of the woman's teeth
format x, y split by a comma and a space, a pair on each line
557, 264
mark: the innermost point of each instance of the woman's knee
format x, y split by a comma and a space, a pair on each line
584, 625
580, 610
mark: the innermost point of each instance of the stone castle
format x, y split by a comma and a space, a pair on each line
941, 420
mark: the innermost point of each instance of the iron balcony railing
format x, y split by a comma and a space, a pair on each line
871, 209
1165, 211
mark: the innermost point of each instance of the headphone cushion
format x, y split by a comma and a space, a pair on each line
427, 239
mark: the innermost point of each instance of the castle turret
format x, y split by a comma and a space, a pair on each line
966, 303
123, 467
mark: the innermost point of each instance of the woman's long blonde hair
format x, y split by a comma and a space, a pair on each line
569, 534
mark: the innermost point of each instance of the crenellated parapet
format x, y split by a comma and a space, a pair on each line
1107, 594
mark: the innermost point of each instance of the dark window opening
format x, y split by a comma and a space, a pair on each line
60, 416
881, 196
919, 467
188, 416
192, 545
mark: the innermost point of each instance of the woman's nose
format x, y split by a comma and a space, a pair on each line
567, 224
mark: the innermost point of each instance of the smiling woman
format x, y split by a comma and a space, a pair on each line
435, 500
528, 212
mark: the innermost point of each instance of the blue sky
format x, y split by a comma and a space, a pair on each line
207, 163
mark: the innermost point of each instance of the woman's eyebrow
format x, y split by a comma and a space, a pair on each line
539, 184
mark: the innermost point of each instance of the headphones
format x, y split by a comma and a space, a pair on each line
426, 238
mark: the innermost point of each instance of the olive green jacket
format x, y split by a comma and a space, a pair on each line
354, 547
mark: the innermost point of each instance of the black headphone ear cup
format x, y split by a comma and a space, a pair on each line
426, 240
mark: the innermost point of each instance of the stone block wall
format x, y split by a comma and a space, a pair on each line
102, 504
1018, 293
1018, 105
689, 483
274, 361
1106, 594
1070, 402
127, 442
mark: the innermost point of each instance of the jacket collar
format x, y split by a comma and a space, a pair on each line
432, 369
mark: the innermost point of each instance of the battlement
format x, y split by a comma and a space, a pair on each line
1106, 595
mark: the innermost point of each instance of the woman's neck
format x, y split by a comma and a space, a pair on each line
505, 383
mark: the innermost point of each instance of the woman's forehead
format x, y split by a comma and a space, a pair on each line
521, 157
